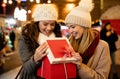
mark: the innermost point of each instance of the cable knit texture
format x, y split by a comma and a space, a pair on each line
45, 12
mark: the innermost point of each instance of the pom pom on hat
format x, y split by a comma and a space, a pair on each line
80, 15
45, 12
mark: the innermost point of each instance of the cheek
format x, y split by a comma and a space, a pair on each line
80, 32
70, 31
52, 28
41, 28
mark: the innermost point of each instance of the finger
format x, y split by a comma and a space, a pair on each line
76, 62
43, 55
43, 50
42, 47
76, 55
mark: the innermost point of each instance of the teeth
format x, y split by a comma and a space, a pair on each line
74, 33
47, 31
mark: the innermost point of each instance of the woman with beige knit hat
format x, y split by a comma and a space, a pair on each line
32, 44
93, 53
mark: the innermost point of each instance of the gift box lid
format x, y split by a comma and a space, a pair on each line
59, 51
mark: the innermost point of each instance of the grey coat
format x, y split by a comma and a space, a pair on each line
29, 67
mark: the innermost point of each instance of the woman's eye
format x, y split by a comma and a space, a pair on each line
45, 24
72, 26
53, 24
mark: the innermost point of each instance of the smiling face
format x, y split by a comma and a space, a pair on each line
75, 30
47, 27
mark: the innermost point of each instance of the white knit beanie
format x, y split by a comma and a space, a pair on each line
45, 12
80, 15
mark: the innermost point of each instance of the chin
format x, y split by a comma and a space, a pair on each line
76, 37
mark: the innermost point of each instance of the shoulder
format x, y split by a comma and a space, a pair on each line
103, 43
21, 37
102, 50
102, 46
21, 40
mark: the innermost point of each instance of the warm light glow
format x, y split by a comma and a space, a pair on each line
4, 1
20, 14
101, 4
70, 6
19, 1
49, 1
37, 1
10, 2
29, 11
3, 5
31, 0
70, 0
10, 21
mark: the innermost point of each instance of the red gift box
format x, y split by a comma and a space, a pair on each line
56, 65
59, 51
57, 71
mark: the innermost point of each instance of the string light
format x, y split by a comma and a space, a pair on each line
10, 2
3, 5
19, 1
49, 1
31, 0
29, 11
37, 1
5, 1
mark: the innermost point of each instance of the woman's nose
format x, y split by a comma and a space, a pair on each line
49, 27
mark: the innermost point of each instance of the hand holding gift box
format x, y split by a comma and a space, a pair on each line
57, 64
60, 51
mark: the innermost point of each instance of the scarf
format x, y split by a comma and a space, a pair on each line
42, 38
90, 51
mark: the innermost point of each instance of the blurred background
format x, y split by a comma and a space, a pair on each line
15, 13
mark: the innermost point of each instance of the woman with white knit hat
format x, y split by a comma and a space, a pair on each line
32, 44
93, 53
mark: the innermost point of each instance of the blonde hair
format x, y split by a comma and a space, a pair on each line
80, 45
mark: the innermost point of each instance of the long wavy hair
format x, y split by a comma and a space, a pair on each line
30, 32
80, 45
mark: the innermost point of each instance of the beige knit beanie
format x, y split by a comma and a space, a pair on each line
80, 15
45, 12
